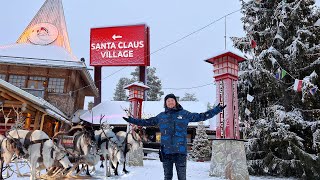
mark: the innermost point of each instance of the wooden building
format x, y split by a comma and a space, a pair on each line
41, 64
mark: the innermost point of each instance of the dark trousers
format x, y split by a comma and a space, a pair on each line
180, 160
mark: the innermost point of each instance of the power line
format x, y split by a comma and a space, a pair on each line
195, 87
166, 46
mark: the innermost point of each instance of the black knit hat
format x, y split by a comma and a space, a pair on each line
178, 106
170, 96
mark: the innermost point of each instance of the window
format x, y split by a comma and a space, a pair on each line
35, 86
17, 80
3, 76
56, 85
36, 82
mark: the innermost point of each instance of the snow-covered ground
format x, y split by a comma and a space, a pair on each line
152, 170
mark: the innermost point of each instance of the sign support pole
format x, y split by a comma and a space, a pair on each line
97, 80
143, 78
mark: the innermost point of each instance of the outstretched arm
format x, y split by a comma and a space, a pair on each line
142, 122
196, 117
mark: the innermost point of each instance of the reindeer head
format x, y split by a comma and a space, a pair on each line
61, 155
136, 134
15, 146
89, 137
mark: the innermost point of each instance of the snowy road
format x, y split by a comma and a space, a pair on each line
152, 170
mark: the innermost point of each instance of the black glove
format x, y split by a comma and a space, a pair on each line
221, 106
125, 118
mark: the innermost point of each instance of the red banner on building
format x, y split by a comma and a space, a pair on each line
120, 46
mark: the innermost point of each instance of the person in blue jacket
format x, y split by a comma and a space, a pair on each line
173, 124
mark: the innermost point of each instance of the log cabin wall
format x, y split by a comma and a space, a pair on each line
52, 84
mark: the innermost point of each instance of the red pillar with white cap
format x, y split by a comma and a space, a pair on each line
226, 69
136, 96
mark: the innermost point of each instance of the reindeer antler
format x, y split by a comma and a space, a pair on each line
101, 117
64, 133
127, 111
6, 117
19, 114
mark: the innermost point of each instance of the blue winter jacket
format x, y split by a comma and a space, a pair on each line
173, 124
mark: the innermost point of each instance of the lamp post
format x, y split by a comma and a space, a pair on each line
136, 97
228, 153
226, 77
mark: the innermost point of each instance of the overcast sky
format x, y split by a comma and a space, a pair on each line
178, 66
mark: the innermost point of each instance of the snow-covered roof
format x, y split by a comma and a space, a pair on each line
219, 53
30, 54
77, 114
49, 108
113, 111
137, 84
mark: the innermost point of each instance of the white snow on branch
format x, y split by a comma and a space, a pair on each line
278, 37
317, 23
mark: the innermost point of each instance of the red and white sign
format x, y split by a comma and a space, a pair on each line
120, 46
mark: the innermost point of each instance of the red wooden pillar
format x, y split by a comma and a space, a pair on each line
226, 77
97, 80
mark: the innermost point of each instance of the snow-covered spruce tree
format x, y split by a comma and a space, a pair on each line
120, 92
189, 97
201, 148
283, 129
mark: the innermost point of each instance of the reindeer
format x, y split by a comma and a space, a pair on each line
9, 147
84, 146
37, 143
130, 140
110, 147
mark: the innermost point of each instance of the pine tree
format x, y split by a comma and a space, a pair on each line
201, 148
153, 81
281, 37
189, 97
120, 92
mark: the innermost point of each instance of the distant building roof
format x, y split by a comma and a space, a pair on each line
113, 111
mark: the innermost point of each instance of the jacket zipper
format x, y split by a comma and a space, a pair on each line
174, 130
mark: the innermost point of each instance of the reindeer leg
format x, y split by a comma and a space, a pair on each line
124, 164
1, 168
112, 167
116, 170
108, 172
33, 168
88, 173
77, 169
124, 168
101, 165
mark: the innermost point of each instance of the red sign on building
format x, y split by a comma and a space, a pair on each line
120, 46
